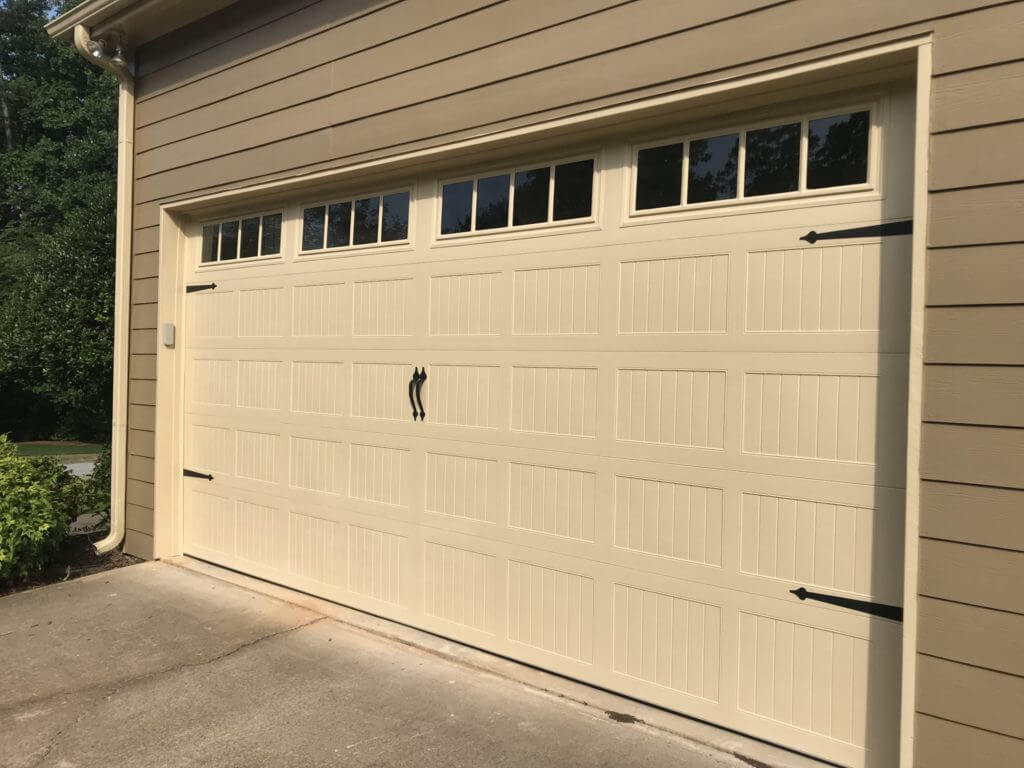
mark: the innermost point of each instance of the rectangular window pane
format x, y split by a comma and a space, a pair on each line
574, 190
492, 202
531, 197
313, 228
659, 177
773, 160
837, 150
713, 169
250, 238
229, 240
211, 238
395, 224
339, 220
367, 212
271, 235
456, 207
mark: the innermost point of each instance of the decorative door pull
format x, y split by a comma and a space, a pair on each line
419, 393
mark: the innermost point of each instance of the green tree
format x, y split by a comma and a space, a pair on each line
58, 140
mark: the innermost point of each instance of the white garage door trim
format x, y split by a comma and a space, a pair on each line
167, 533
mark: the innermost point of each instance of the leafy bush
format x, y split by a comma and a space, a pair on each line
38, 501
96, 487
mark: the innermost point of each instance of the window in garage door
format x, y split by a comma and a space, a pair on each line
640, 434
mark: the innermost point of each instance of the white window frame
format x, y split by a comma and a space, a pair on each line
238, 260
803, 119
352, 245
511, 171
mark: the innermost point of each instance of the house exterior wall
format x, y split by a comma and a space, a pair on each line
251, 94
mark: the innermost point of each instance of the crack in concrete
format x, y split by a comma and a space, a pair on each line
115, 687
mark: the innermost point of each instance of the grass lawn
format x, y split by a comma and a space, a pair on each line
68, 451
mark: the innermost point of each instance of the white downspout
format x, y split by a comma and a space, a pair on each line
99, 53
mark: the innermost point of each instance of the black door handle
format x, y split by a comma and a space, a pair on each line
412, 383
419, 393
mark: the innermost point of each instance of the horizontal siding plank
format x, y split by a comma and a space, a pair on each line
977, 335
976, 216
978, 39
331, 66
973, 514
978, 697
969, 158
146, 239
138, 519
618, 72
978, 97
146, 265
145, 290
139, 492
143, 316
141, 392
138, 544
142, 366
989, 578
973, 455
141, 443
943, 744
993, 639
972, 635
965, 394
142, 417
986, 274
140, 467
142, 342
146, 215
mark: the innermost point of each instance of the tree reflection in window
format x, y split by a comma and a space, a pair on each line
837, 150
531, 198
456, 207
492, 202
772, 161
395, 222
713, 165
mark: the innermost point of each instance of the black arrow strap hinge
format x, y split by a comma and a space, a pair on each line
893, 612
200, 287
199, 475
879, 230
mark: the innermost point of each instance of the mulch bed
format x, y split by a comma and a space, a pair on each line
77, 558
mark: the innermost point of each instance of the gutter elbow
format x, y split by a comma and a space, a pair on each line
107, 52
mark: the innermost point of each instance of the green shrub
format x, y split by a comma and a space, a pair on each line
38, 501
96, 487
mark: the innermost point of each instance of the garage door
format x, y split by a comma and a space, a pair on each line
600, 411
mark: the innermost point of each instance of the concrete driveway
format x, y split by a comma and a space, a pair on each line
163, 665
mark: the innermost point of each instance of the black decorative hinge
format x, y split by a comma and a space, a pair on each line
879, 230
200, 287
200, 475
893, 612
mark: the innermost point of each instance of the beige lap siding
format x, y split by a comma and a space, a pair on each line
267, 90
971, 635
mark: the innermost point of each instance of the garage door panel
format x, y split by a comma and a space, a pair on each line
641, 434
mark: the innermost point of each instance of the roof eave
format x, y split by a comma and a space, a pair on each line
91, 13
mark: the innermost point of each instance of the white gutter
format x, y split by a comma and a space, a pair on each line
109, 54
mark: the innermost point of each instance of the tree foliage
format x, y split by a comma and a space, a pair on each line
58, 139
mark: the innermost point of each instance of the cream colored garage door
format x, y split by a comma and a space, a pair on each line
641, 432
